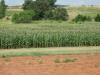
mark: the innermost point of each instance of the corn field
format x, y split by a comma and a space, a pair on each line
26, 36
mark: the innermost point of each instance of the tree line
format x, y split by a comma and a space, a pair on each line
2, 9
42, 9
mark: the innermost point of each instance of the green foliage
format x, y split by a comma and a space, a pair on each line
39, 6
88, 18
33, 58
57, 61
7, 60
81, 18
49, 34
49, 39
15, 18
27, 4
1, 16
2, 9
69, 60
46, 9
57, 65
60, 21
57, 14
97, 18
23, 17
96, 65
3, 56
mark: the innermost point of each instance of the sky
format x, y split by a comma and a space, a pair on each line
59, 2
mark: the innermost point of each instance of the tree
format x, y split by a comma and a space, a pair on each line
27, 4
97, 18
23, 17
2, 9
81, 18
50, 2
39, 6
57, 14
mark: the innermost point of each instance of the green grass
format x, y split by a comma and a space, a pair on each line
89, 11
57, 61
7, 60
4, 21
12, 10
49, 34
33, 58
96, 65
49, 51
10, 13
69, 60
72, 11
45, 33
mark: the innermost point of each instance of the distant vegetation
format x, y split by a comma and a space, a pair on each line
81, 18
97, 18
23, 17
2, 9
56, 14
44, 9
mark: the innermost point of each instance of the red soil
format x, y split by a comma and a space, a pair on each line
45, 65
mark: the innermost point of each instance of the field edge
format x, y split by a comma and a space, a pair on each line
49, 51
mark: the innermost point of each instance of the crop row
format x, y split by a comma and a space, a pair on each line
49, 39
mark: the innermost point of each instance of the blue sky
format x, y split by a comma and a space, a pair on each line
60, 2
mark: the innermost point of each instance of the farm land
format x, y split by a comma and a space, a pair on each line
48, 47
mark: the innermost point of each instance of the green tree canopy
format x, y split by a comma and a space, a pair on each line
2, 8
39, 6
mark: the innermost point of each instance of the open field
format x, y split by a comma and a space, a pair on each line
49, 65
88, 11
49, 51
47, 47
49, 34
72, 11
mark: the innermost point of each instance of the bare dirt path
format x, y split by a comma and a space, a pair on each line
45, 65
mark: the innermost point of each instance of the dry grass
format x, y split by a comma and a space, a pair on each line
48, 51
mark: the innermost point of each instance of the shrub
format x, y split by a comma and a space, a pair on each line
3, 56
7, 60
97, 18
88, 18
60, 21
2, 9
23, 17
81, 18
69, 60
15, 18
57, 61
7, 18
96, 65
48, 15
57, 14
1, 16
